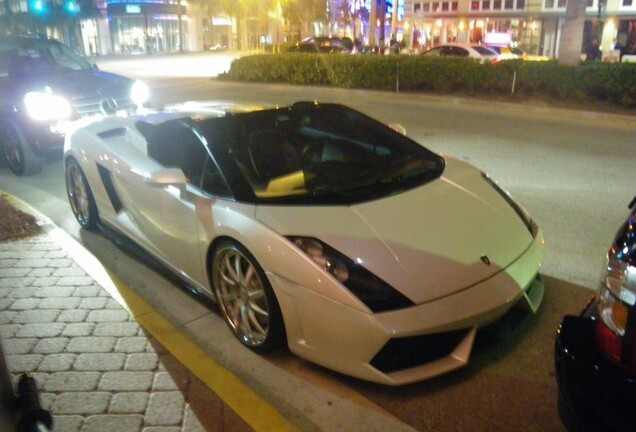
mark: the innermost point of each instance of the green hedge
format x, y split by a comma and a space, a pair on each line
613, 83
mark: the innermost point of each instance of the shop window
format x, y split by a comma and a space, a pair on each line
552, 4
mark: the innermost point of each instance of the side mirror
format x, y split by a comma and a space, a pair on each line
167, 177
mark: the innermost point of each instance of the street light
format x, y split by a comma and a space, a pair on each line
38, 7
71, 7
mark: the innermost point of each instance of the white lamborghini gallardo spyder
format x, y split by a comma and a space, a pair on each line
316, 227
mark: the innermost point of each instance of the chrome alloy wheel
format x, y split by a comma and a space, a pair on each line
240, 289
80, 196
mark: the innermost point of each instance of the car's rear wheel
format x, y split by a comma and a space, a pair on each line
80, 196
21, 156
245, 297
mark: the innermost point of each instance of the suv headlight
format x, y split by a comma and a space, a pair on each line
139, 93
617, 297
376, 294
617, 294
46, 106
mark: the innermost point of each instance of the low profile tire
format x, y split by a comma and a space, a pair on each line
23, 159
246, 299
80, 196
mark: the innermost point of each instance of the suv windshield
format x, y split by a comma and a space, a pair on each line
38, 57
319, 153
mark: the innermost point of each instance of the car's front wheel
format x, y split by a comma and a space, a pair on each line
21, 156
245, 297
80, 196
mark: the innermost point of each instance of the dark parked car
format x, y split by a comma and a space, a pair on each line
596, 351
44, 87
314, 48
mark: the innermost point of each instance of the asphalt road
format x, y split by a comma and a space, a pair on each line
571, 169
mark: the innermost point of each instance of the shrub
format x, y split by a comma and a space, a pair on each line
614, 83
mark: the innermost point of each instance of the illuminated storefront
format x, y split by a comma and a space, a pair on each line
147, 26
534, 25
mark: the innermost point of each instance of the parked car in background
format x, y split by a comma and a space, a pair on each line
314, 227
44, 86
595, 353
344, 43
469, 51
314, 48
507, 53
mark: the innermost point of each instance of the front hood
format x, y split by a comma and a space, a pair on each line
428, 242
78, 84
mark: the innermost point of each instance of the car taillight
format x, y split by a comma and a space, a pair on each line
617, 297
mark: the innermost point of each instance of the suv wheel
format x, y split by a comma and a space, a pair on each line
21, 157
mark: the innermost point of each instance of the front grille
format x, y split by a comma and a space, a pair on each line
111, 104
404, 353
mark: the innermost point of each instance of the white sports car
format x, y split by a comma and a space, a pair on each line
314, 226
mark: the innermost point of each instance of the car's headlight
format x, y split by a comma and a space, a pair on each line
617, 297
376, 294
139, 93
47, 106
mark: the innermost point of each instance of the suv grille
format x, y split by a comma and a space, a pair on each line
86, 107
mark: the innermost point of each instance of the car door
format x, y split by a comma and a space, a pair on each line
165, 213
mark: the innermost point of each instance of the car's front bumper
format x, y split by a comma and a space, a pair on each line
407, 345
594, 393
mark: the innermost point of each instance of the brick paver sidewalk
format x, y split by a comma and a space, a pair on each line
96, 369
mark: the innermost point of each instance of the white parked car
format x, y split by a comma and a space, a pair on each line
472, 51
316, 227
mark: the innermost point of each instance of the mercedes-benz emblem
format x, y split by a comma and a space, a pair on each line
485, 259
109, 106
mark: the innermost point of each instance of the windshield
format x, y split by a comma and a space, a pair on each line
320, 153
39, 57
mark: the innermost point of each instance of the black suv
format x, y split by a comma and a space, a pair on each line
596, 351
44, 87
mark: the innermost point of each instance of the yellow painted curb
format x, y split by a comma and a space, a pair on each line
255, 411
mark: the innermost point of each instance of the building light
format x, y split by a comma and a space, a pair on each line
133, 9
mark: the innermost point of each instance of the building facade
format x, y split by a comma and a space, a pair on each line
533, 25
151, 26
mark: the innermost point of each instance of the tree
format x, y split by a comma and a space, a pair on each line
304, 12
572, 38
